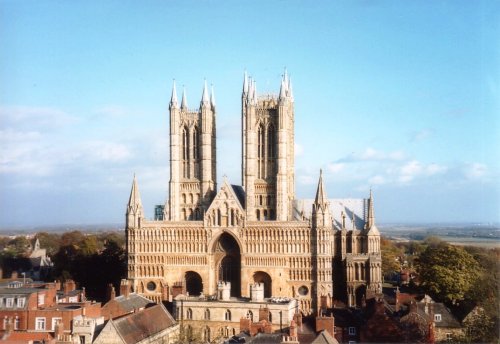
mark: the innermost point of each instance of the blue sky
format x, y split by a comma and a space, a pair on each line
399, 96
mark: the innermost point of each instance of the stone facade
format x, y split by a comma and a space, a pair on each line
315, 251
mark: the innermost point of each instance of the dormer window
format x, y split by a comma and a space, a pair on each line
437, 317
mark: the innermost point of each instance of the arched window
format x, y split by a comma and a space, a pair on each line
258, 214
207, 314
260, 151
185, 152
250, 315
271, 142
195, 143
206, 334
189, 314
227, 316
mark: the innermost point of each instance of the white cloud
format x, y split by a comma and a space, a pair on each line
377, 180
422, 135
101, 151
298, 149
371, 154
335, 167
35, 116
475, 170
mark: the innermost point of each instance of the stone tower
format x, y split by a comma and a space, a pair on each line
135, 211
268, 152
322, 239
192, 157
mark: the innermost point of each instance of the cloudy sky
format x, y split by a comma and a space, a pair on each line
399, 96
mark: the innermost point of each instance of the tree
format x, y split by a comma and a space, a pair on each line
49, 241
391, 255
447, 272
479, 327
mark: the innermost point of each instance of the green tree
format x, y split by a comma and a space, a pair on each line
391, 256
447, 272
49, 241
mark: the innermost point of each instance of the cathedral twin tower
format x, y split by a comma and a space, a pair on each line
317, 250
267, 161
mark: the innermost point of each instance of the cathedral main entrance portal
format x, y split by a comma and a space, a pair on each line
228, 260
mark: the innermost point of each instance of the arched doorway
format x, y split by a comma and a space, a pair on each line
228, 260
360, 296
262, 277
194, 283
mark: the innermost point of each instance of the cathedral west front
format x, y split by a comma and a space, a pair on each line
316, 251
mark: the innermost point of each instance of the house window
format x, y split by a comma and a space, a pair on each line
9, 302
41, 299
16, 323
250, 315
352, 331
228, 315
20, 302
55, 321
5, 320
449, 337
40, 324
189, 314
437, 317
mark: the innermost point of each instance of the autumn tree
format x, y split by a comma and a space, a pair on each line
447, 272
391, 256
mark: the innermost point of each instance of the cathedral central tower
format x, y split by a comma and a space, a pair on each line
268, 152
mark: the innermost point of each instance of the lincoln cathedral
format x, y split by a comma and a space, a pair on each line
253, 236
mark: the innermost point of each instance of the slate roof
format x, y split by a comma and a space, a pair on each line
132, 302
136, 327
350, 207
266, 338
447, 319
324, 337
240, 193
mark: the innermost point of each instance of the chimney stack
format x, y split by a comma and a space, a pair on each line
124, 288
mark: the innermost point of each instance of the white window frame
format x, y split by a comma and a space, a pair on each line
17, 322
9, 302
437, 317
5, 321
21, 301
55, 321
449, 336
41, 299
40, 323
352, 331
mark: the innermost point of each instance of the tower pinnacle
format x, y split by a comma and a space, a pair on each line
371, 213
212, 96
204, 97
245, 83
184, 100
320, 192
173, 99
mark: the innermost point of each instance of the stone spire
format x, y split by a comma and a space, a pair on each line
321, 207
134, 207
135, 198
184, 100
282, 89
371, 213
245, 83
204, 97
320, 192
173, 99
212, 96
254, 92
290, 90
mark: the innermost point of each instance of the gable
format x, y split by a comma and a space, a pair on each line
226, 208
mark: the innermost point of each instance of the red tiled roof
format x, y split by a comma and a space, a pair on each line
137, 326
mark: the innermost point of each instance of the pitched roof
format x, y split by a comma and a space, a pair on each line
351, 208
324, 337
136, 327
266, 338
132, 302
